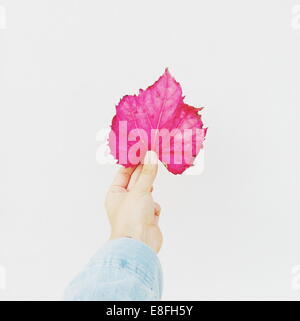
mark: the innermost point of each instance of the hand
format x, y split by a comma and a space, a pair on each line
130, 206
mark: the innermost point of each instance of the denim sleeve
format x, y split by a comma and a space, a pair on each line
124, 269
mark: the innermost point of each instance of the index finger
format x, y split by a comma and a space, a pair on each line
149, 171
122, 177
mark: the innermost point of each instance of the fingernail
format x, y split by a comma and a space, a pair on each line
151, 158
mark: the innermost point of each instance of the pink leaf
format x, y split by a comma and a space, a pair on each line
157, 119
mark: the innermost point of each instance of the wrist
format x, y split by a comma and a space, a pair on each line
138, 234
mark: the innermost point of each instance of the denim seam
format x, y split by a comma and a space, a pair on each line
133, 269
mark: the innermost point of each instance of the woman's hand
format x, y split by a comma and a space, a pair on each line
130, 206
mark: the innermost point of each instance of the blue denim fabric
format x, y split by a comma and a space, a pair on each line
124, 269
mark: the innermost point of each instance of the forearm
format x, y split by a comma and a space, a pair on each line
124, 269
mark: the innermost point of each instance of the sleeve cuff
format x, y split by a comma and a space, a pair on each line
134, 256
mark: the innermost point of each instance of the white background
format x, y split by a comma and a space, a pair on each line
232, 232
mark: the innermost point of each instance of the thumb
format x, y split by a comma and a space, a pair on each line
145, 181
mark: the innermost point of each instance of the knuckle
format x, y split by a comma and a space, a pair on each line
148, 170
137, 192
